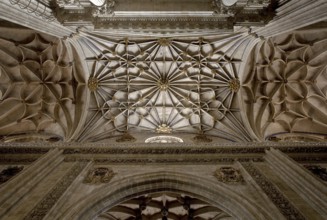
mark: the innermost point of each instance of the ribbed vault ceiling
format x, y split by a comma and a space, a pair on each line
164, 86
92, 87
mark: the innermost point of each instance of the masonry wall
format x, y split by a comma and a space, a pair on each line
56, 186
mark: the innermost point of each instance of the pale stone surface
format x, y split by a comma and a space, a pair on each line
83, 93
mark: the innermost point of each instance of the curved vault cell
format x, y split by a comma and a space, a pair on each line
40, 89
285, 85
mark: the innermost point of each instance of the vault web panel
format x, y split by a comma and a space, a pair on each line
163, 86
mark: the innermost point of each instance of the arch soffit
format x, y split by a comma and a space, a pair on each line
127, 188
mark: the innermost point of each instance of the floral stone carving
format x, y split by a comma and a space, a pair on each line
229, 175
99, 175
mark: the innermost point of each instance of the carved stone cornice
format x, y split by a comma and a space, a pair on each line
213, 15
163, 150
158, 153
288, 147
13, 155
24, 150
124, 161
5, 160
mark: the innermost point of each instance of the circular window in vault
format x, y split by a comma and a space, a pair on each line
164, 139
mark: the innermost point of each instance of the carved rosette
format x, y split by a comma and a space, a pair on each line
234, 85
99, 175
229, 175
93, 84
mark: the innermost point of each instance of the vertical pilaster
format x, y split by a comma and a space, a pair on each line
301, 181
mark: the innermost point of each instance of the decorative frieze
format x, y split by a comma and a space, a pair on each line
163, 160
165, 150
229, 175
23, 150
286, 147
274, 194
215, 16
42, 208
99, 175
21, 160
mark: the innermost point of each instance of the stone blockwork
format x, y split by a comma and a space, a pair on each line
84, 190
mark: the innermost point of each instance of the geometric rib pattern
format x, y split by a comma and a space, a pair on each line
163, 206
163, 86
286, 88
37, 85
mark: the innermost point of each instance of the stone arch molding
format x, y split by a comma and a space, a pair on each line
127, 188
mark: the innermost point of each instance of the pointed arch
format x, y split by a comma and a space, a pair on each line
127, 188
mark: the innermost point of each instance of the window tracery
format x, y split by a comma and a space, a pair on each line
164, 139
